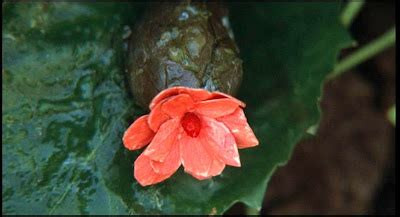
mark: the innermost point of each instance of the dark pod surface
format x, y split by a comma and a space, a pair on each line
183, 44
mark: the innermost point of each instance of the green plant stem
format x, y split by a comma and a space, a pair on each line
386, 40
391, 115
350, 12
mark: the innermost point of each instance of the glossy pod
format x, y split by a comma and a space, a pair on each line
183, 44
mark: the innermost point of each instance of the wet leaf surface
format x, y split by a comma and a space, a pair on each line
66, 104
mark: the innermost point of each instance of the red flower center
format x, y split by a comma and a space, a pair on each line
191, 124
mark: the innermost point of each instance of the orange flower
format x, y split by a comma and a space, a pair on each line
199, 129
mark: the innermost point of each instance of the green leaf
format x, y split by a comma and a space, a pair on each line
66, 105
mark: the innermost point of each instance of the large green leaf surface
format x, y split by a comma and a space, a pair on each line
66, 105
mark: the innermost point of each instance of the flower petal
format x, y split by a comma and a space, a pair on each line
162, 142
157, 117
217, 166
197, 94
237, 124
219, 95
144, 173
176, 106
217, 138
171, 162
138, 134
195, 158
216, 107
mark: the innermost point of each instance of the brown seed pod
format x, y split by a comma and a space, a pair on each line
183, 44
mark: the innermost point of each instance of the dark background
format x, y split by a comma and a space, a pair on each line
355, 143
